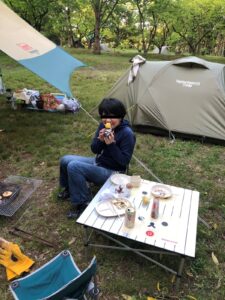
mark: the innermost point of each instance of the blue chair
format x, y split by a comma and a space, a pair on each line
58, 279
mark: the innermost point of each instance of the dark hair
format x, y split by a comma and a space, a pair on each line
112, 106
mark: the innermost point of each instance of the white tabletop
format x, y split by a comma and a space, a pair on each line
174, 230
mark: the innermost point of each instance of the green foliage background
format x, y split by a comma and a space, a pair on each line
194, 26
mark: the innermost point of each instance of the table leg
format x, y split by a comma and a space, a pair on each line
138, 253
179, 273
204, 222
86, 241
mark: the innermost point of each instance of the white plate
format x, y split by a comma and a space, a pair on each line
161, 191
120, 179
111, 208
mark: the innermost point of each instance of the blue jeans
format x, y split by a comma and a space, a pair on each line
75, 171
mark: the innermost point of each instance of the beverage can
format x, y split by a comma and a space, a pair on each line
129, 217
107, 132
108, 129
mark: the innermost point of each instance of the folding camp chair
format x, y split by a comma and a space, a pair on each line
58, 279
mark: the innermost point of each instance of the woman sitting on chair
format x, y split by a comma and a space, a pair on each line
113, 149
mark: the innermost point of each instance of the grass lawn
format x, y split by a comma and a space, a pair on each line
31, 145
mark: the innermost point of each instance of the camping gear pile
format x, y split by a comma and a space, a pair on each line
183, 97
33, 99
12, 258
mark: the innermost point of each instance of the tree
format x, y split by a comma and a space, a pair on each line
120, 27
154, 28
34, 12
164, 12
162, 35
197, 21
196, 26
103, 9
144, 9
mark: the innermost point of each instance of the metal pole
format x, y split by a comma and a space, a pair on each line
139, 253
179, 273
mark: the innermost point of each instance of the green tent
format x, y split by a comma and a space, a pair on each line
184, 97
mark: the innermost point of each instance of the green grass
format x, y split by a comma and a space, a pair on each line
31, 146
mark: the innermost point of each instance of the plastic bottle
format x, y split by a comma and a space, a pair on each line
155, 209
145, 198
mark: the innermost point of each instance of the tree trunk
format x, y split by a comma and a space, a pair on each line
70, 38
97, 48
192, 49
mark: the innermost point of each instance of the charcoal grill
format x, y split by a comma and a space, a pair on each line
5, 187
21, 188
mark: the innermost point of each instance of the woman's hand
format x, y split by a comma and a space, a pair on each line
110, 139
101, 135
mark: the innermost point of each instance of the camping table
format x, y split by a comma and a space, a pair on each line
173, 233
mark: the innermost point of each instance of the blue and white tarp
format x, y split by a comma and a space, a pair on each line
34, 51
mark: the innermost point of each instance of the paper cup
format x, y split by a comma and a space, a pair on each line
135, 180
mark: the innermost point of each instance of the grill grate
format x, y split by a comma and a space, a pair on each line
23, 189
8, 187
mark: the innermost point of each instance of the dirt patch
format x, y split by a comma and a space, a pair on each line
6, 170
26, 156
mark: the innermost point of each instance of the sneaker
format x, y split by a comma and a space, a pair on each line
63, 195
77, 211
82, 207
72, 214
